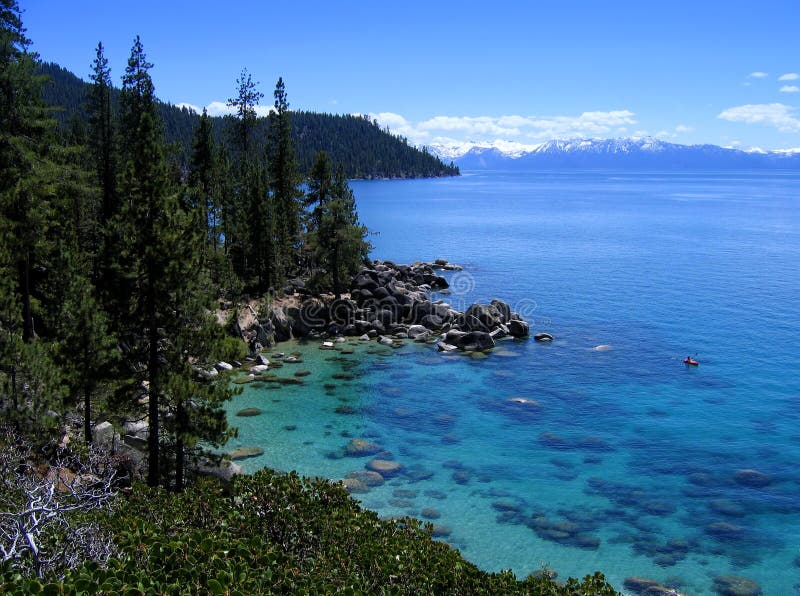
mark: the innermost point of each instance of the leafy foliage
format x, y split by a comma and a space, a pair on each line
283, 534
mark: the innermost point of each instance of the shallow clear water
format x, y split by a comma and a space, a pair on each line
627, 447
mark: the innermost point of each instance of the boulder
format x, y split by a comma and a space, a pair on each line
471, 323
220, 366
103, 434
445, 347
499, 333
543, 337
734, 585
313, 316
354, 486
639, 584
136, 428
432, 321
368, 477
475, 341
281, 324
224, 470
384, 467
488, 315
519, 329
437, 282
415, 331
503, 309
264, 333
361, 448
752, 478
245, 452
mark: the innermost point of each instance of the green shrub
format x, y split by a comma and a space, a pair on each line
276, 533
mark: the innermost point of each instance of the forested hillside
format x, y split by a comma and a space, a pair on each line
359, 144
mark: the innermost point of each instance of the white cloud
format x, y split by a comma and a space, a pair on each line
758, 75
220, 108
189, 106
790, 89
400, 126
511, 128
683, 128
777, 115
789, 76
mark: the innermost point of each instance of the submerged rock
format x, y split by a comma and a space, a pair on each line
249, 412
245, 452
361, 448
368, 477
752, 478
384, 467
543, 337
734, 585
354, 486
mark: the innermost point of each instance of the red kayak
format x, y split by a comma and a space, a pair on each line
690, 361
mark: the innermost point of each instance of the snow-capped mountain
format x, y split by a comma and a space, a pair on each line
623, 153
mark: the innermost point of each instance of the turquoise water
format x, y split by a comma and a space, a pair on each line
627, 460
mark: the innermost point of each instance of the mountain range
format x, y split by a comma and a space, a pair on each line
624, 153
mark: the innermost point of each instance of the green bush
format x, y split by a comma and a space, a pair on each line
276, 533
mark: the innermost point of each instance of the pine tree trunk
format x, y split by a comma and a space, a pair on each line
153, 460
25, 288
87, 412
180, 449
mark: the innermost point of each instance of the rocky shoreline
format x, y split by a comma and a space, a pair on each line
388, 303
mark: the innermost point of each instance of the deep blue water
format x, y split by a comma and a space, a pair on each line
627, 461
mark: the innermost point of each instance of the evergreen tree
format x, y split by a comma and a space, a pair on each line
252, 248
101, 133
261, 227
338, 240
203, 182
143, 227
162, 240
284, 183
31, 388
245, 104
87, 351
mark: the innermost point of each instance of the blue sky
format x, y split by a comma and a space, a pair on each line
722, 72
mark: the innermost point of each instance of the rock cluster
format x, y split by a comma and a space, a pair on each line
391, 303
649, 587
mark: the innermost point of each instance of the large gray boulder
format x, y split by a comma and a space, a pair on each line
281, 324
416, 331
103, 434
518, 328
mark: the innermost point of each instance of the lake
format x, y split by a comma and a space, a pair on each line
622, 458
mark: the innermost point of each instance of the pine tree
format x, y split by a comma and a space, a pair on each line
252, 249
338, 241
87, 351
203, 182
245, 123
31, 387
102, 134
284, 183
162, 240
